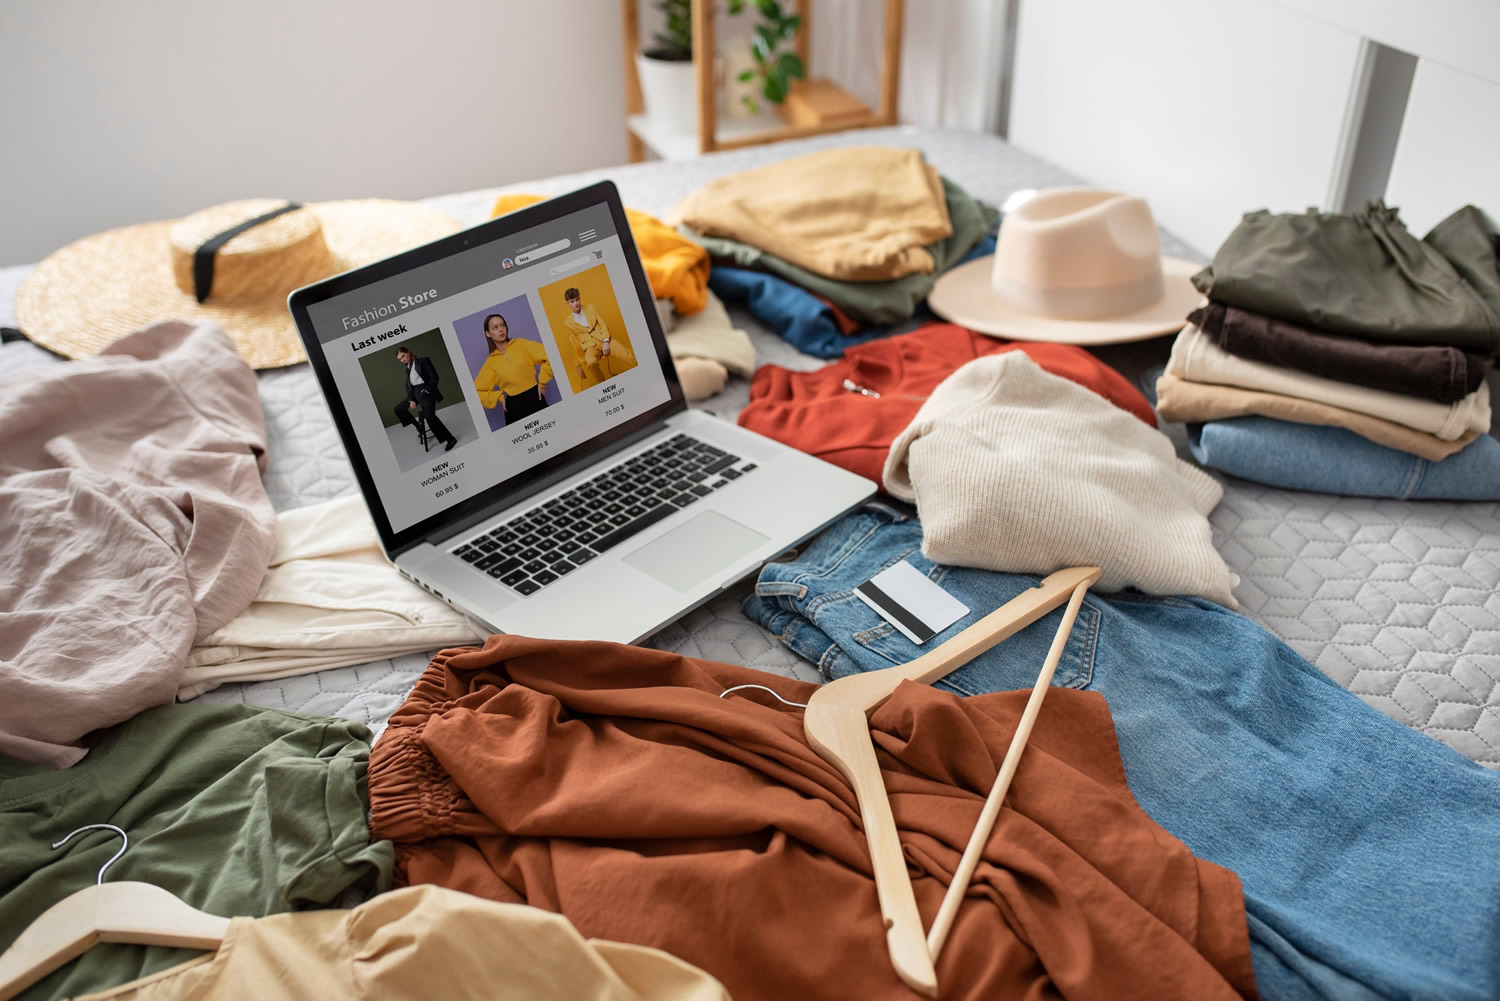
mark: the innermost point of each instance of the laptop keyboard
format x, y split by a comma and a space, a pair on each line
549, 542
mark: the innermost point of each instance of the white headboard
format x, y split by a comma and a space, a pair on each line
1210, 109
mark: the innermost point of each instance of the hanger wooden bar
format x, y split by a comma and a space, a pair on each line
943, 923
131, 912
837, 728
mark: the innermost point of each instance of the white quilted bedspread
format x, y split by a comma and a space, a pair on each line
1397, 601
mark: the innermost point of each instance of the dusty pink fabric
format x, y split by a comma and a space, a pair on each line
132, 522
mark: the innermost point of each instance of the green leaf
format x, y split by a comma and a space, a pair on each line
761, 46
736, 6
751, 103
770, 8
775, 86
791, 66
789, 25
746, 76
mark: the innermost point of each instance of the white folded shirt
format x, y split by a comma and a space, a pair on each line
329, 599
1197, 358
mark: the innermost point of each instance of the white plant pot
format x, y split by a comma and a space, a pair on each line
670, 92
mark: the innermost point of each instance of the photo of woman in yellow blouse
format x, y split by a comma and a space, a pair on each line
597, 354
514, 375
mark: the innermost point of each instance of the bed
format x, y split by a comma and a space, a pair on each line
1399, 602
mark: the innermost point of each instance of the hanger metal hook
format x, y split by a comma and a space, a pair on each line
124, 844
736, 688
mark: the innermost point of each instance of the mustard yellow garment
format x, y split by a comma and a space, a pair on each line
419, 944
588, 332
856, 214
676, 267
512, 369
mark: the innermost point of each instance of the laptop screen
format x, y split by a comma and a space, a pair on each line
488, 358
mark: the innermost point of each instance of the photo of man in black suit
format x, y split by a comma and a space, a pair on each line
422, 396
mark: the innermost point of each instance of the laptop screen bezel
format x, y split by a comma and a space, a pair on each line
535, 477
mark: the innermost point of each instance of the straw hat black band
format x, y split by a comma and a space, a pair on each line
203, 258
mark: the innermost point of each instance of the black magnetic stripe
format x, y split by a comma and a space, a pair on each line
203, 257
897, 611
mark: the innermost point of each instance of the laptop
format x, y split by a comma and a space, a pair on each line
520, 436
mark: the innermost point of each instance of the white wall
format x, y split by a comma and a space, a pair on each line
120, 112
1449, 152
1206, 110
950, 56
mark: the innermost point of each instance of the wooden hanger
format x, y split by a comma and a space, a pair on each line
837, 727
137, 913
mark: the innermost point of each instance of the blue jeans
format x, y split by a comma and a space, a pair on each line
1335, 461
1369, 852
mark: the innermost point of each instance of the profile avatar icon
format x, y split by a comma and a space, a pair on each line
507, 264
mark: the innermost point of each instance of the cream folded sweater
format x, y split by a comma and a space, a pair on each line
1015, 469
1196, 358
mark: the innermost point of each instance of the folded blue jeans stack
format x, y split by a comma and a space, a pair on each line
1335, 461
1369, 852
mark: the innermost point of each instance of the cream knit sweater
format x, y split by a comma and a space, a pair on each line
1015, 469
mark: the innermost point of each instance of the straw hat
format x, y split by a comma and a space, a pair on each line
1073, 265
233, 264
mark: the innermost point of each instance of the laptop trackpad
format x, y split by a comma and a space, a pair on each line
685, 556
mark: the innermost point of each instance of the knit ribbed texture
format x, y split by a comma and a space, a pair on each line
1015, 469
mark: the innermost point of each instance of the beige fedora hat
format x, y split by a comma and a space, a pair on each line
233, 264
1073, 265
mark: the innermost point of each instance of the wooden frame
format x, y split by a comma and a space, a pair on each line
704, 12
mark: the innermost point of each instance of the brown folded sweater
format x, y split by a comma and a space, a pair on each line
1430, 371
614, 785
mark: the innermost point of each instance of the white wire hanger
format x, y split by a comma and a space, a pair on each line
128, 911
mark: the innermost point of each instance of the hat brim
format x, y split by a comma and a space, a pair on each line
96, 290
965, 296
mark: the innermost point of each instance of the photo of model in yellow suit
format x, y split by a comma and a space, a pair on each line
591, 335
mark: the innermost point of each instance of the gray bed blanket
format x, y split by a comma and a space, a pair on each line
1398, 601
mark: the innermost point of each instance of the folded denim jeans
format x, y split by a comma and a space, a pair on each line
1334, 461
1369, 852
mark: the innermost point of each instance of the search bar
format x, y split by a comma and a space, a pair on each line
541, 252
570, 265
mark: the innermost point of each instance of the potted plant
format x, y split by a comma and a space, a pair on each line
774, 69
666, 70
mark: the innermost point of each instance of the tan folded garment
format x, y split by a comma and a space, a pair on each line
860, 213
1193, 402
1196, 357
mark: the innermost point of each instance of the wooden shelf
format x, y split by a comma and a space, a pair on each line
672, 144
713, 133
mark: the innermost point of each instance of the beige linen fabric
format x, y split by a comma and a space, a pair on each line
706, 347
132, 523
858, 213
710, 334
1015, 469
1194, 402
329, 599
421, 944
1197, 358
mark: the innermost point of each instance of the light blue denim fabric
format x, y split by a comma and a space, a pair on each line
1369, 852
1335, 461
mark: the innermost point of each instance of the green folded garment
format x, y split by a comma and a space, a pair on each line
1365, 274
873, 302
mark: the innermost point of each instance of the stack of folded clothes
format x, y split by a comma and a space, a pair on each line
1341, 354
831, 249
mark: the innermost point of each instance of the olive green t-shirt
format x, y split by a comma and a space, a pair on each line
239, 811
